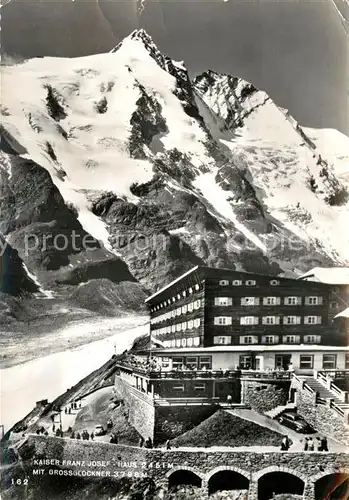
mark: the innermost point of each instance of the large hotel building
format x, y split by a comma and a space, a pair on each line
209, 324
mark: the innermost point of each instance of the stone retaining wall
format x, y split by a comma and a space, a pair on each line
264, 396
140, 413
324, 419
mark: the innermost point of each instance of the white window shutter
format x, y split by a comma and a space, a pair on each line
256, 320
278, 301
320, 300
230, 301
319, 320
216, 301
306, 301
256, 301
299, 301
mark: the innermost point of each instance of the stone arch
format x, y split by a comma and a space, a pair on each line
279, 480
328, 472
225, 477
184, 476
279, 468
186, 468
331, 485
226, 468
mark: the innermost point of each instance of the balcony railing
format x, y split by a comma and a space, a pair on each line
267, 375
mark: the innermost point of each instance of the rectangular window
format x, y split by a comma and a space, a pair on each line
269, 339
221, 339
271, 320
237, 283
313, 301
312, 339
223, 282
274, 282
223, 301
250, 282
329, 361
191, 362
205, 362
271, 301
250, 301
177, 362
290, 339
197, 304
306, 361
178, 387
293, 301
347, 361
312, 320
249, 320
197, 322
292, 320
222, 320
199, 387
247, 340
333, 305
245, 362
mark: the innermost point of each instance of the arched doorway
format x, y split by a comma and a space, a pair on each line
183, 477
278, 483
332, 487
227, 480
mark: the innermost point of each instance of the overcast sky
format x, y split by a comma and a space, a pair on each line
296, 50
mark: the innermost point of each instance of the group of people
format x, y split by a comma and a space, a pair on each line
148, 443
84, 435
321, 444
73, 406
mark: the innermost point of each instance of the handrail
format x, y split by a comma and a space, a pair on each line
185, 401
308, 388
337, 408
266, 374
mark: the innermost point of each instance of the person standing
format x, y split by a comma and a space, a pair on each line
168, 445
284, 444
324, 444
310, 444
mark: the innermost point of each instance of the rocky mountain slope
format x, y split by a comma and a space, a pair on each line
116, 168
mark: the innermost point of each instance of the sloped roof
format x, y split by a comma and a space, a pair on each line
343, 314
330, 275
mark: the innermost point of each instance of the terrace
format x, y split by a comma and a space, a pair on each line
194, 373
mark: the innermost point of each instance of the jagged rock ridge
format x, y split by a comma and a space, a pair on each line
162, 172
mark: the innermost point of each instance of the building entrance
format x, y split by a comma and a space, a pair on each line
282, 361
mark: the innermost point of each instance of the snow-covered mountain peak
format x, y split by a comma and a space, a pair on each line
133, 147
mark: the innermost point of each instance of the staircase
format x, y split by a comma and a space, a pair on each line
323, 392
275, 412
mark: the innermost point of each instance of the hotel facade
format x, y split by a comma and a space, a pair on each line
210, 325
